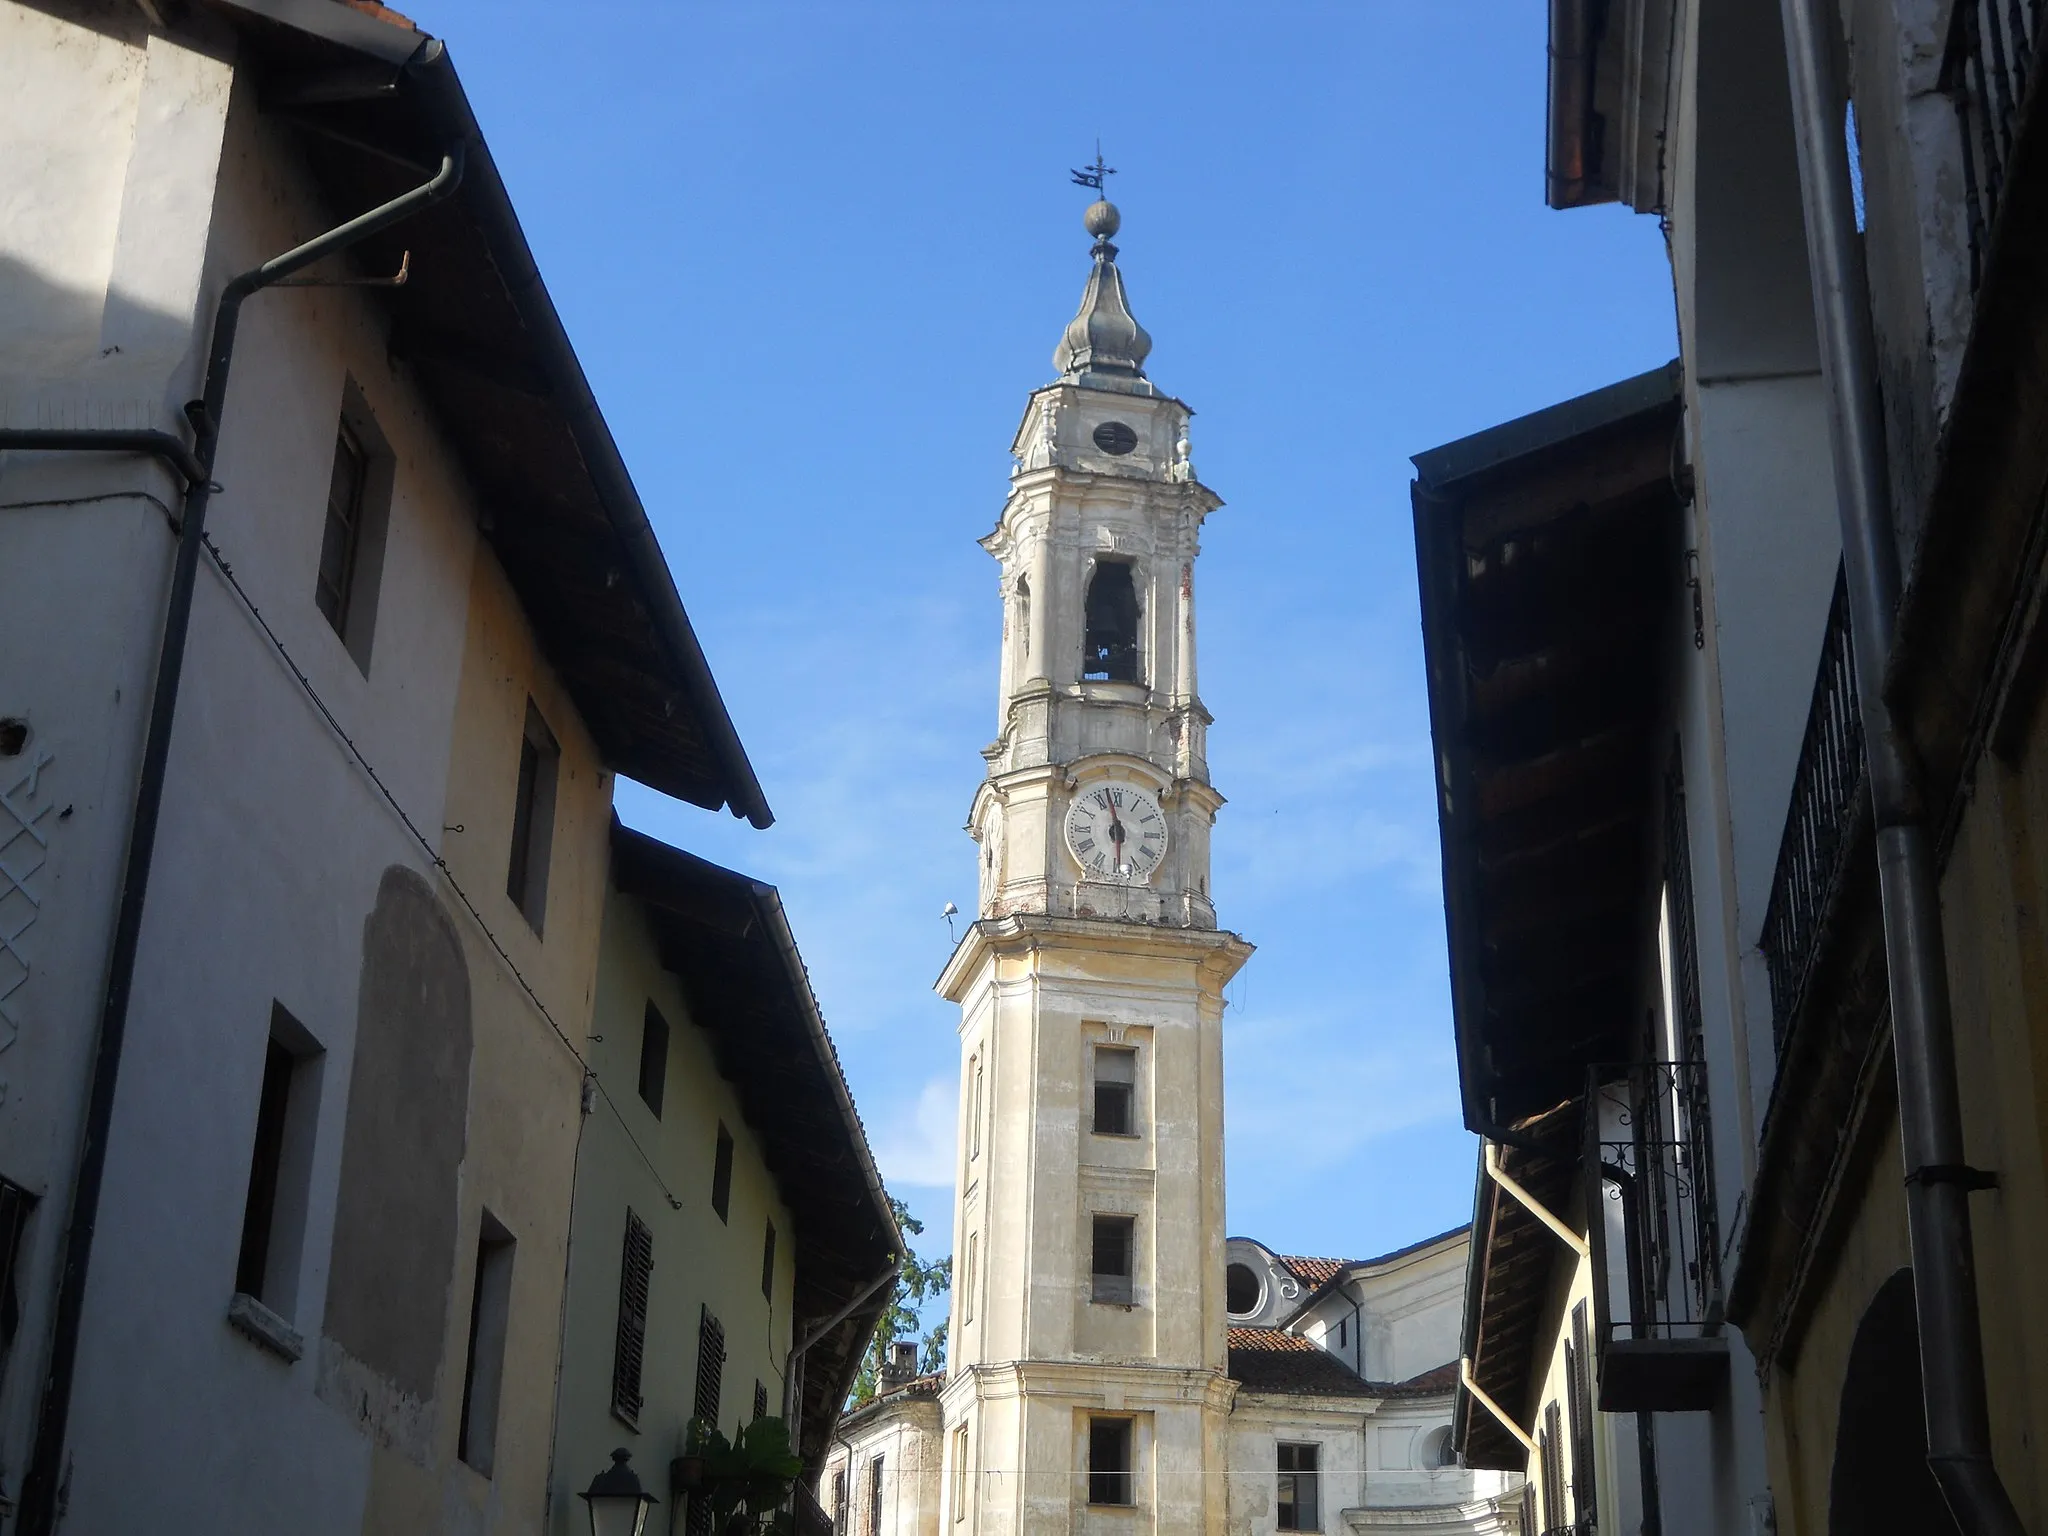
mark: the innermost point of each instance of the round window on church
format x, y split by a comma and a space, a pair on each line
1241, 1290
1115, 437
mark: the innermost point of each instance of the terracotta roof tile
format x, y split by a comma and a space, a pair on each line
1274, 1360
1314, 1272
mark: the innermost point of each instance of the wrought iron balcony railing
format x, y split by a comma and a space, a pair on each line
1655, 1238
1829, 799
1986, 71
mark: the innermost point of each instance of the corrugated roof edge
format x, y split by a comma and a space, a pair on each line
432, 72
1467, 457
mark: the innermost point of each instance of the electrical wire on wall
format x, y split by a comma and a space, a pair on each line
591, 1080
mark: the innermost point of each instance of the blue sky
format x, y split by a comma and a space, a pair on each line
814, 257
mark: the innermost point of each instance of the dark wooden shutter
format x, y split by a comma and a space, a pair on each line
630, 1347
710, 1366
710, 1384
1578, 1370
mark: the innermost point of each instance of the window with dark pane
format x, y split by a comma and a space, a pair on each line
280, 1165
343, 531
721, 1173
352, 533
768, 1263
875, 1497
760, 1399
1298, 1496
653, 1058
1116, 1089
1110, 650
839, 1502
1109, 1462
1114, 1240
483, 1373
629, 1346
533, 819
16, 1203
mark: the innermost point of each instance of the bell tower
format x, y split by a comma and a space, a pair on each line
1087, 1384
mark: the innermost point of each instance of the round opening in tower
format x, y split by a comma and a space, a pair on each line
1241, 1290
1115, 437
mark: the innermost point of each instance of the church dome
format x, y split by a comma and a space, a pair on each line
1103, 342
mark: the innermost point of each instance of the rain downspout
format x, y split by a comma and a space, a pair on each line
1938, 1179
40, 1485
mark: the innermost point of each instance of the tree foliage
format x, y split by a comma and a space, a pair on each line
917, 1284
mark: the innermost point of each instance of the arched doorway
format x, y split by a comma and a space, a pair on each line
1881, 1481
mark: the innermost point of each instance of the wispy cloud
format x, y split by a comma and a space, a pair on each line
917, 1148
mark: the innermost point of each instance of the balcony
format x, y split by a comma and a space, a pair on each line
1828, 812
1655, 1239
1985, 69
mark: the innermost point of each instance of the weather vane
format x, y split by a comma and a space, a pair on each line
1092, 175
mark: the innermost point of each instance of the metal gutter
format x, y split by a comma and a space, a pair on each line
167, 446
1490, 1160
1938, 1177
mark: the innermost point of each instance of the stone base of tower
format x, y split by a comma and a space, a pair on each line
1025, 1430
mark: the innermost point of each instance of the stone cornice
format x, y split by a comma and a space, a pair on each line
1216, 950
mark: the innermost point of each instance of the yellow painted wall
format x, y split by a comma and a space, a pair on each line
661, 1168
525, 1076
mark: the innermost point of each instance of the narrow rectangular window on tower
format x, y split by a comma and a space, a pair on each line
768, 1263
721, 1173
963, 1480
653, 1058
1110, 1479
1109, 653
974, 1109
967, 1277
1297, 1501
1114, 1240
1116, 1091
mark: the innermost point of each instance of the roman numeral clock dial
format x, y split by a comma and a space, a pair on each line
1116, 832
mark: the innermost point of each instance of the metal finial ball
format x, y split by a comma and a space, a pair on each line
1101, 220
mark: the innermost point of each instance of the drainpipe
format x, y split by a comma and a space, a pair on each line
39, 1498
1938, 1179
792, 1371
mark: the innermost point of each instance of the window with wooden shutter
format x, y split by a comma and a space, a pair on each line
636, 1265
710, 1386
1578, 1371
760, 1399
710, 1366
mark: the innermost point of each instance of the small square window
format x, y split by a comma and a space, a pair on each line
1115, 1238
1116, 1087
1109, 1462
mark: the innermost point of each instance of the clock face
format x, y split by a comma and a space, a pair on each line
1116, 831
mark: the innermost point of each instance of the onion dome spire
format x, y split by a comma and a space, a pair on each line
1104, 346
